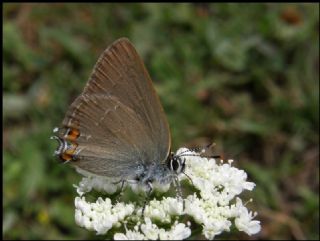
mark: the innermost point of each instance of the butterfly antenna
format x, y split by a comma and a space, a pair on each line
199, 149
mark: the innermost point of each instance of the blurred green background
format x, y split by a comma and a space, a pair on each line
245, 76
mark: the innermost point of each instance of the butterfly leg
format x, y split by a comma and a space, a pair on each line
121, 188
149, 185
178, 189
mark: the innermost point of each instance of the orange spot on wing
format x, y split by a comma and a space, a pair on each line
73, 134
66, 157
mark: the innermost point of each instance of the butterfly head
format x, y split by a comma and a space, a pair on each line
175, 163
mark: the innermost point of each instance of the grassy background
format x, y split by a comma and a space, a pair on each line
245, 76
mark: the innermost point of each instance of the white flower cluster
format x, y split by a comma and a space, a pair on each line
100, 216
150, 231
213, 206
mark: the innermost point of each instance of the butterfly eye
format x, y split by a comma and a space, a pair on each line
174, 164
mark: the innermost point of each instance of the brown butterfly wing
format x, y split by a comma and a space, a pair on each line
118, 121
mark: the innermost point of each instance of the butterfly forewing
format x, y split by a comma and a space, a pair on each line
118, 121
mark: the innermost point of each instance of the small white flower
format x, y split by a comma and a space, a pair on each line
160, 187
130, 235
173, 206
156, 212
179, 231
215, 227
244, 221
149, 229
